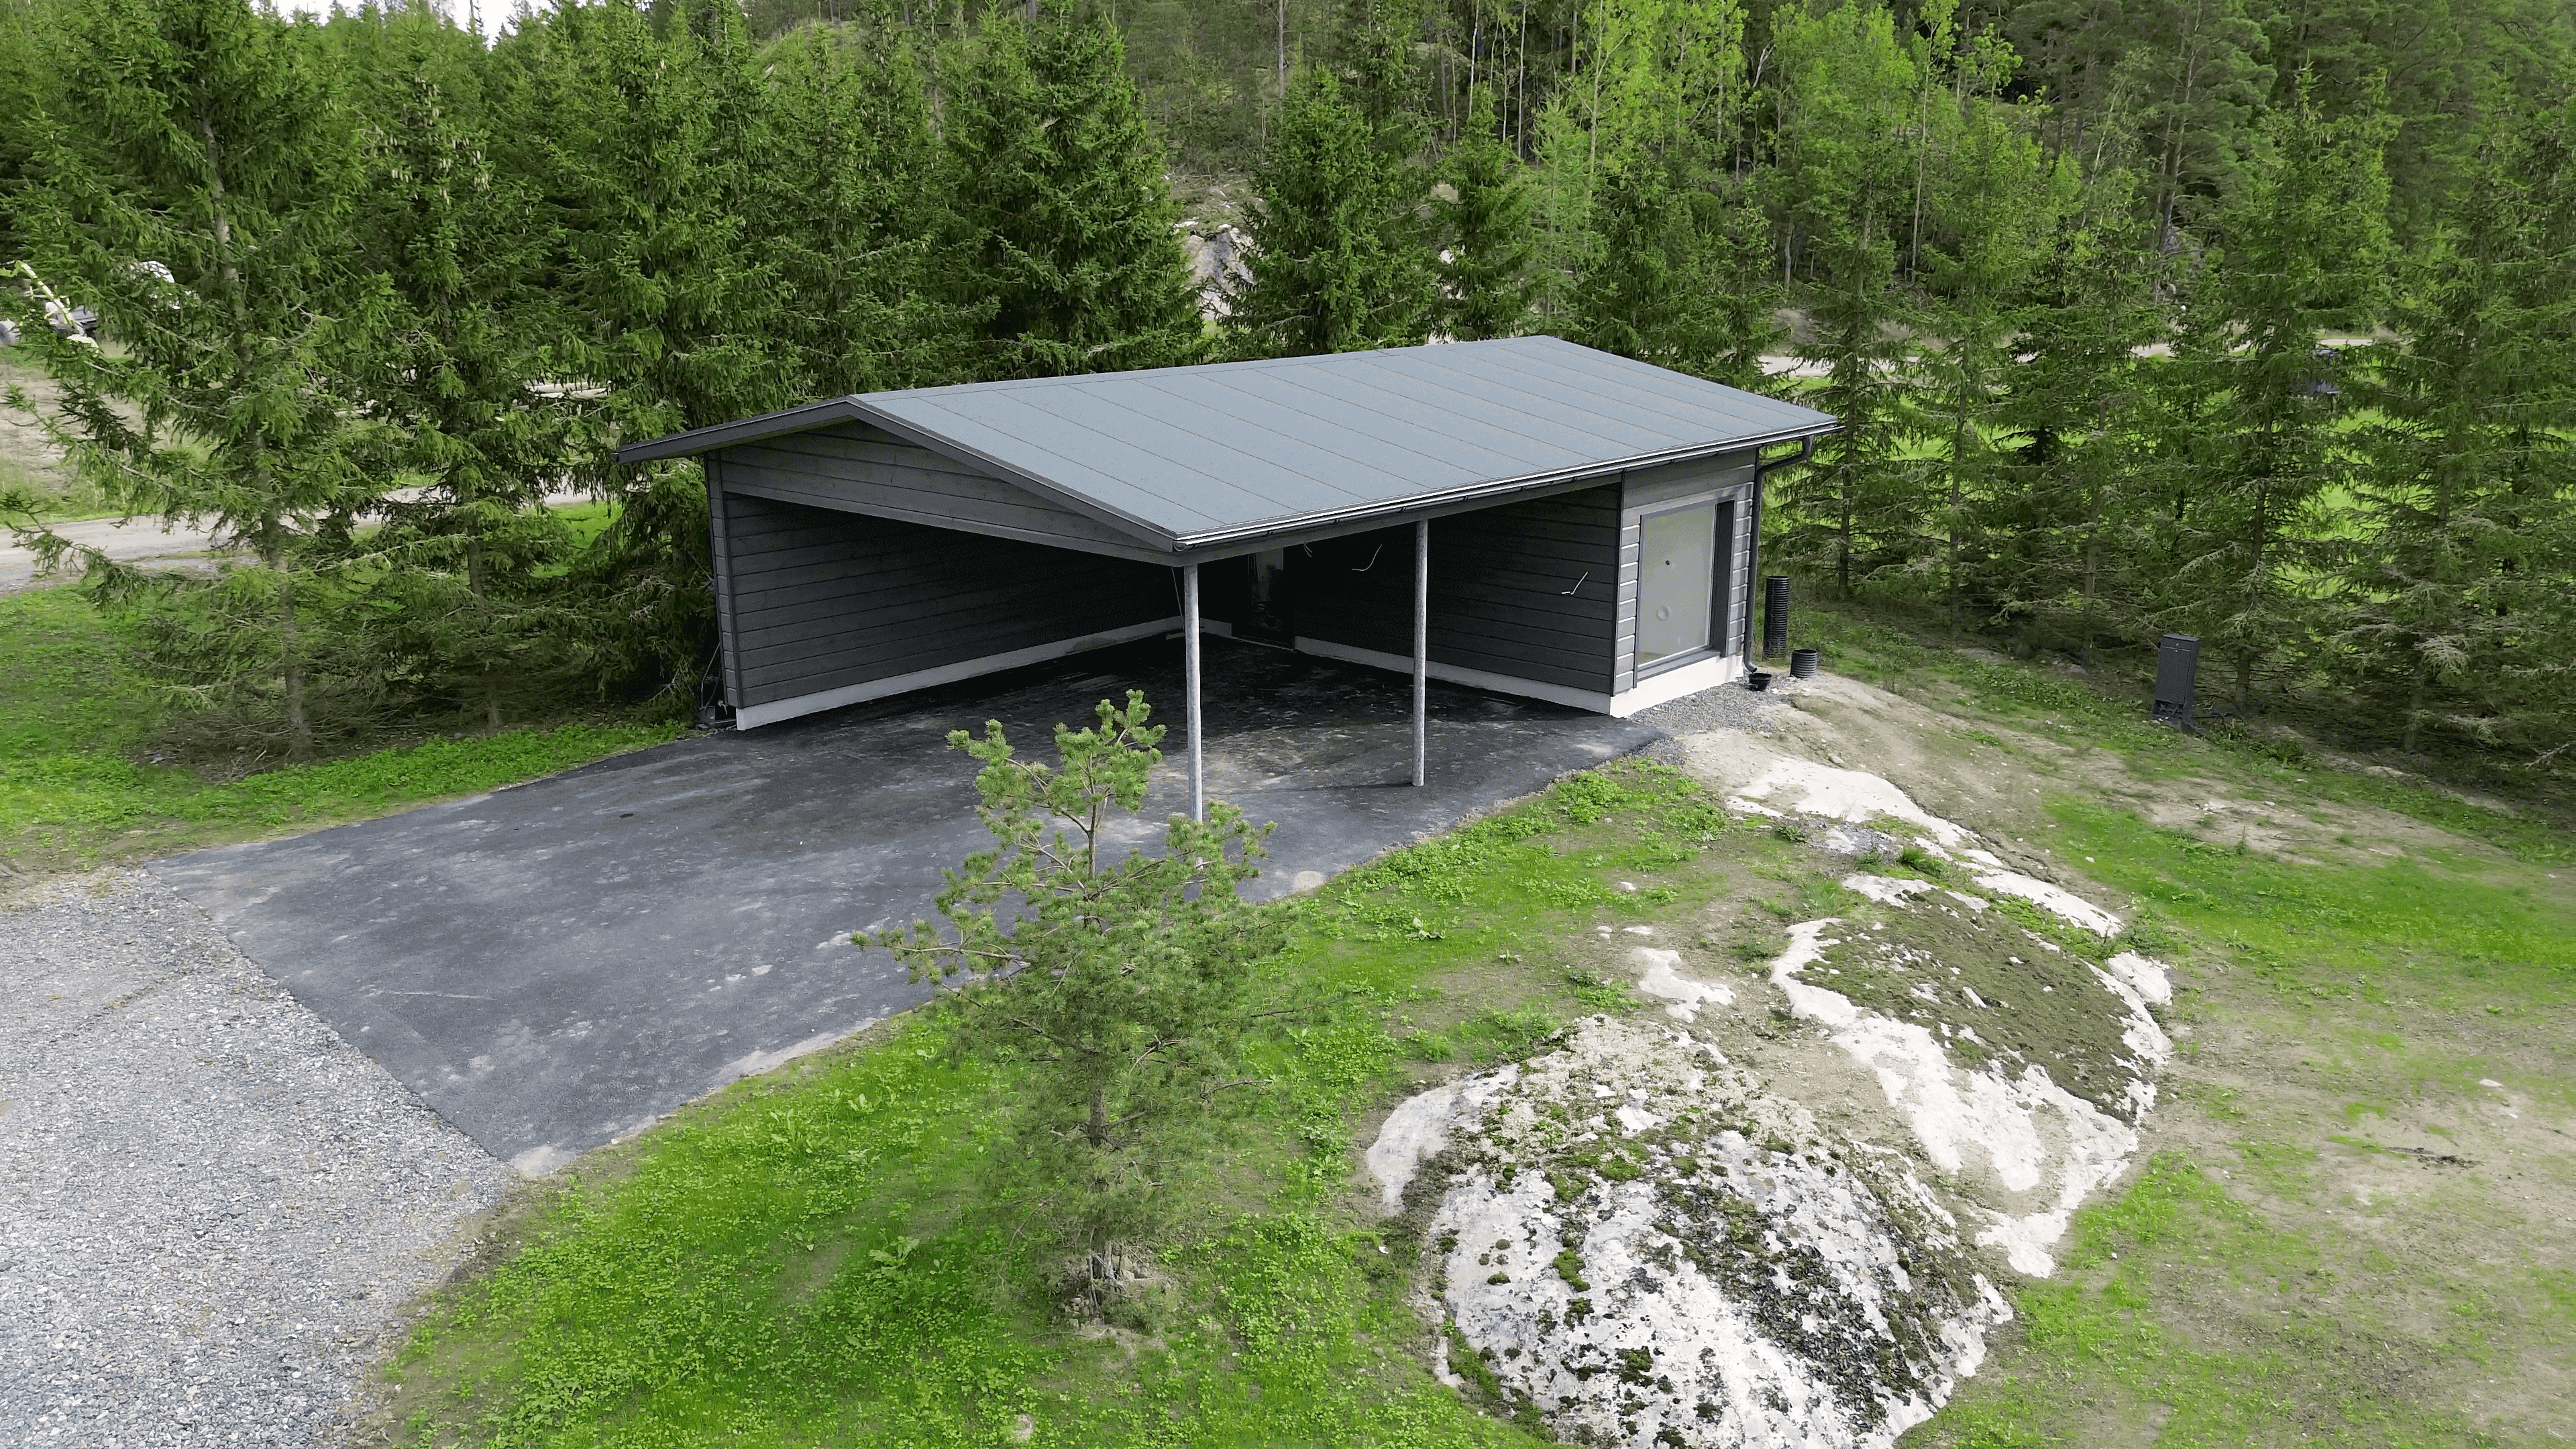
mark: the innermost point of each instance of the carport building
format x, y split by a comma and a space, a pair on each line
1525, 515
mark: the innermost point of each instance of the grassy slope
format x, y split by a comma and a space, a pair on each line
831, 1254
73, 794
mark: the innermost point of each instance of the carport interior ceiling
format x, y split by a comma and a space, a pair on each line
1195, 463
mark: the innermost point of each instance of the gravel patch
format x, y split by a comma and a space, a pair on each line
212, 1209
1726, 707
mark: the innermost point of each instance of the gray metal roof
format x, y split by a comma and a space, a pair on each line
1194, 457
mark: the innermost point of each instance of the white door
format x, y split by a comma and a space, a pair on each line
1677, 565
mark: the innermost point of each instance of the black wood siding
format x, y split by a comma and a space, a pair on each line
823, 599
1500, 582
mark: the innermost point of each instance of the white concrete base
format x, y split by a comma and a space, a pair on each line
1653, 690
754, 716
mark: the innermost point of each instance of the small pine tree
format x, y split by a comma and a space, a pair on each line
1116, 988
1068, 221
1486, 278
1339, 258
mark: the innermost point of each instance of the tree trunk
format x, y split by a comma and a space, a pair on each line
1843, 533
2415, 707
2092, 552
490, 686
290, 652
1096, 1131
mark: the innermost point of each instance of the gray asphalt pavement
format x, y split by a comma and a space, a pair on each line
557, 965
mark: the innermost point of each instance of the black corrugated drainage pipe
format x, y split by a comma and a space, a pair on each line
1753, 540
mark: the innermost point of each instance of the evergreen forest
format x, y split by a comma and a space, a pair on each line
2248, 319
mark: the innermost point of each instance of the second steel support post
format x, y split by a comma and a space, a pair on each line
1421, 649
1190, 669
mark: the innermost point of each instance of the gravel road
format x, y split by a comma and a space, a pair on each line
128, 540
211, 1207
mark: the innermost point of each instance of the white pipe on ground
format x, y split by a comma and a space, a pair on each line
1190, 669
1421, 648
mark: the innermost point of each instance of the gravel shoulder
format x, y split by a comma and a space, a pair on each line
212, 1209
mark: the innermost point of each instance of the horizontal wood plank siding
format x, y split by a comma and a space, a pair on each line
825, 599
1526, 590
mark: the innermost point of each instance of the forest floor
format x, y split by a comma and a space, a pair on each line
2349, 1221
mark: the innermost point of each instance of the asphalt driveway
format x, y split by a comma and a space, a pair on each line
555, 966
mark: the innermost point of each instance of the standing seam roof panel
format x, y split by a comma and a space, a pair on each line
1082, 477
1251, 480
1521, 416
1690, 405
1649, 417
1407, 454
1322, 456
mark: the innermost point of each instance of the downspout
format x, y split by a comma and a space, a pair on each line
1753, 540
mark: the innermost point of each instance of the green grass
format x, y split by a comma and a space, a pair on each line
2284, 1368
586, 520
74, 721
835, 1254
2051, 701
844, 1252
2440, 933
2247, 1288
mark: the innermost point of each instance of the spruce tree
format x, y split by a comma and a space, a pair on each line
2302, 245
1066, 217
1486, 280
1652, 289
858, 239
1990, 211
1339, 260
1845, 181
2063, 523
648, 146
1664, 277
619, 125
195, 184
2459, 619
459, 566
24, 83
